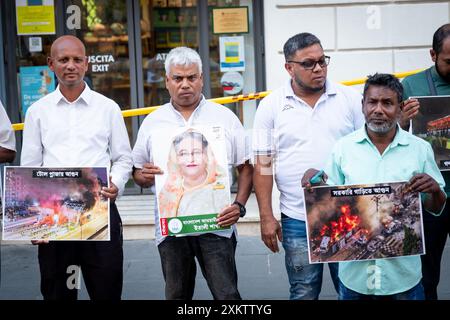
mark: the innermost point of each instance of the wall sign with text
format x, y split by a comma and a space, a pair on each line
230, 20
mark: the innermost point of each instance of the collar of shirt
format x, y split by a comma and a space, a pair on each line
85, 96
437, 78
400, 138
193, 115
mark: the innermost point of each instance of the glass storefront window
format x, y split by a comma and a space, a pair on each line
108, 35
228, 83
34, 78
104, 31
165, 24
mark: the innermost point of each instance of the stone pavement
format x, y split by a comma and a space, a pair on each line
261, 274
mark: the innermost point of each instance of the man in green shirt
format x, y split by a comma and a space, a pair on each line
434, 81
382, 152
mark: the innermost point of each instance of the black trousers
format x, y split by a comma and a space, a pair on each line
216, 257
436, 230
101, 265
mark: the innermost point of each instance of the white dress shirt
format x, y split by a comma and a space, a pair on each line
7, 137
206, 114
301, 137
88, 132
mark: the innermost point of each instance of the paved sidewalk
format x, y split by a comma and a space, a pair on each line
261, 274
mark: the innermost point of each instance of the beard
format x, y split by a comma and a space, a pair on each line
382, 128
446, 77
307, 88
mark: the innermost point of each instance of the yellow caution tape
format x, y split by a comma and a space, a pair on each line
233, 99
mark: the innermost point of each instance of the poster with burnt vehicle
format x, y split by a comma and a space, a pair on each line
55, 204
363, 222
432, 124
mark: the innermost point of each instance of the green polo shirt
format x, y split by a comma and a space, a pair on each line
356, 160
417, 85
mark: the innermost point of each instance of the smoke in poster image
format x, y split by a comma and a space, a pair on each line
55, 204
363, 222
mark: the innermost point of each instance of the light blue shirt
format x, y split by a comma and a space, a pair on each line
356, 160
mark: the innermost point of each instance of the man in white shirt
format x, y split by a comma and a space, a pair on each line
215, 252
7, 138
296, 126
74, 127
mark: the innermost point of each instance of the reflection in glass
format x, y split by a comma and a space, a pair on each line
104, 31
165, 24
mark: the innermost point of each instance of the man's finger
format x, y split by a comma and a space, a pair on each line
110, 195
228, 222
427, 186
416, 181
280, 234
269, 243
274, 243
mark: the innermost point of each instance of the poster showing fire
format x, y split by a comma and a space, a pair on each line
363, 222
433, 125
194, 187
55, 204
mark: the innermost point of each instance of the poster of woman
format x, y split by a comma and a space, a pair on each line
195, 185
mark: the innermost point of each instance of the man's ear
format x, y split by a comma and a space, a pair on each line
50, 63
433, 55
288, 68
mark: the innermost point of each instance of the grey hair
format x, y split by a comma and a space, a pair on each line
182, 56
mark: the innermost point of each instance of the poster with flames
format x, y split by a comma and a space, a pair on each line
55, 204
363, 222
432, 124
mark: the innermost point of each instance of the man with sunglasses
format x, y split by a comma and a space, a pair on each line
296, 127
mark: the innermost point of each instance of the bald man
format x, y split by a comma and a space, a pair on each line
75, 126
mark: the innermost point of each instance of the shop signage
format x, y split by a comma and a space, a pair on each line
232, 82
230, 20
35, 17
232, 57
35, 82
100, 63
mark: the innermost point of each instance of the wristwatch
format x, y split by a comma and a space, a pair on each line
242, 210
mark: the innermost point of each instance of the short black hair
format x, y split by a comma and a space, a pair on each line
385, 80
439, 36
298, 42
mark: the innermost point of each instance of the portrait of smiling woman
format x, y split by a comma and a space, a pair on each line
196, 183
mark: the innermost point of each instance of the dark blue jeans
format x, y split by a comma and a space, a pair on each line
215, 256
415, 293
305, 279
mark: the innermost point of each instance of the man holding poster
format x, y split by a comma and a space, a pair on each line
76, 127
382, 152
214, 250
295, 128
434, 81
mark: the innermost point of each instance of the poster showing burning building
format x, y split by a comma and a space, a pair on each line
363, 222
55, 204
433, 125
